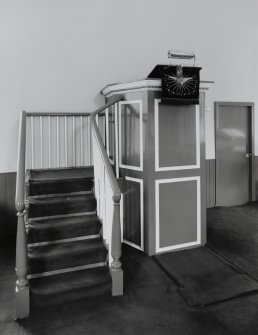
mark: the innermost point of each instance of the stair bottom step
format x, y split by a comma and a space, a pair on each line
69, 287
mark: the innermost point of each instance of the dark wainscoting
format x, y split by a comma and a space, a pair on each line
255, 178
8, 219
210, 183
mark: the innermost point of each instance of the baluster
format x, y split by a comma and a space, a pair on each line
116, 249
74, 157
107, 131
66, 149
32, 141
49, 142
89, 142
57, 142
81, 140
41, 141
109, 221
116, 142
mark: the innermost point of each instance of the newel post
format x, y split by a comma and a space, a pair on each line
22, 287
116, 249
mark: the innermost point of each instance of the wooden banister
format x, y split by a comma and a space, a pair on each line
116, 244
22, 289
57, 114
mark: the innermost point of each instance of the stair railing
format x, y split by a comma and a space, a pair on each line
102, 168
22, 288
65, 136
108, 196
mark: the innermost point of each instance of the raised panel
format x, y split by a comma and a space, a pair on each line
130, 134
133, 212
177, 139
177, 213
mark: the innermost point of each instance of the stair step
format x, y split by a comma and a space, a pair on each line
59, 205
68, 287
63, 228
54, 181
60, 186
65, 255
60, 174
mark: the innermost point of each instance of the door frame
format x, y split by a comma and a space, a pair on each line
250, 106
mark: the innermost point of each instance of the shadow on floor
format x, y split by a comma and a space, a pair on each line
233, 232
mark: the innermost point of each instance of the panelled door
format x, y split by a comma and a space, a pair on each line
233, 153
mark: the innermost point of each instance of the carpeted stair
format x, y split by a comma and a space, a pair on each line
66, 253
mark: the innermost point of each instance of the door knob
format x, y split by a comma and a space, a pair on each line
247, 155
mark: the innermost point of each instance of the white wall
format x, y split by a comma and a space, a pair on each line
56, 55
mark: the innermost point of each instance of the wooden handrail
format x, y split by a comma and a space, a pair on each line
58, 114
110, 172
19, 196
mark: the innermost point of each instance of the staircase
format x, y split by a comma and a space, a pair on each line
66, 253
60, 251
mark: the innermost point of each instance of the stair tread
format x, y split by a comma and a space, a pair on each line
64, 248
60, 174
61, 228
83, 218
44, 258
50, 199
70, 280
61, 204
59, 186
69, 287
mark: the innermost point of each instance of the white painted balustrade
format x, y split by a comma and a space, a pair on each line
56, 140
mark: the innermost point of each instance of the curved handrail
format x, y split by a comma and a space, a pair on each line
19, 196
110, 172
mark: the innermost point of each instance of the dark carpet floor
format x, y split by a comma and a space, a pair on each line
152, 303
233, 232
204, 278
7, 285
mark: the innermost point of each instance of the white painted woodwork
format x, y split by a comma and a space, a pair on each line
198, 211
55, 141
140, 247
104, 195
197, 136
140, 135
